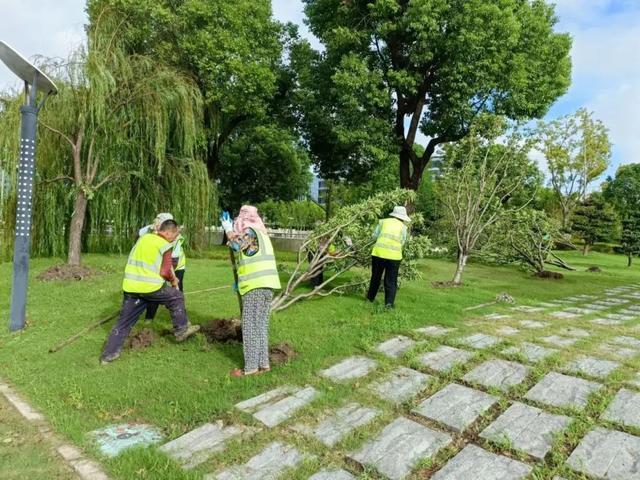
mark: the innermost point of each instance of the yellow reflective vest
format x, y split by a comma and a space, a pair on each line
142, 273
178, 247
258, 270
389, 242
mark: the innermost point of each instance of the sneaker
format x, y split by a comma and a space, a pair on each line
107, 359
189, 331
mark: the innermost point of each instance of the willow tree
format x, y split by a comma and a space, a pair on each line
118, 120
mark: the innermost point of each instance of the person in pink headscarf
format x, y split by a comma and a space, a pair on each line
257, 279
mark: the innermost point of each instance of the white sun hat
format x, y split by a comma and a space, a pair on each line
163, 217
400, 213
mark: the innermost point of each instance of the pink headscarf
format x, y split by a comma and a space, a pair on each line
248, 218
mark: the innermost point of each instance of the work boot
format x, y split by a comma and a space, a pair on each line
187, 332
107, 359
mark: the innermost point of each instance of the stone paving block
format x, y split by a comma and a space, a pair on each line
456, 406
88, 469
474, 462
500, 374
527, 309
618, 351
196, 446
332, 428
395, 347
563, 314
350, 369
115, 438
267, 465
559, 341
528, 429
444, 358
496, 316
593, 367
480, 340
338, 474
434, 330
533, 324
629, 312
634, 308
401, 385
546, 305
618, 316
532, 352
560, 390
400, 447
580, 311
573, 332
596, 306
605, 322
274, 407
507, 331
624, 409
607, 454
626, 341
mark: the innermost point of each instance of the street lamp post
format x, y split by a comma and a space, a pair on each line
34, 81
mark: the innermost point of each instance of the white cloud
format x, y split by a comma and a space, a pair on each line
50, 28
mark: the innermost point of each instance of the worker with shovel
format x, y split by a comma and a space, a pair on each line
178, 257
147, 269
257, 279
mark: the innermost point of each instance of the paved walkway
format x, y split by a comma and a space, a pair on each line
545, 391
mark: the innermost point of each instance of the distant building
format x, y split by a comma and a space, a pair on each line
318, 189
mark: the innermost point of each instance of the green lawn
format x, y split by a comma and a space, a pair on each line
178, 387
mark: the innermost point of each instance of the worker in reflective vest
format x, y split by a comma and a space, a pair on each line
145, 275
257, 279
390, 237
178, 257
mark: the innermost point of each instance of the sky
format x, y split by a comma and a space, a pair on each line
605, 55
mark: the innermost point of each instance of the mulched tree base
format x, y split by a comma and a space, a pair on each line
68, 273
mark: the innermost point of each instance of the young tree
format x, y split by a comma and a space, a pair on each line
577, 150
479, 178
594, 221
623, 191
630, 238
433, 67
527, 237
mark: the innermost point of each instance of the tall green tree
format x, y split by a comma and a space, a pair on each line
105, 134
231, 48
594, 221
630, 237
623, 191
433, 66
577, 150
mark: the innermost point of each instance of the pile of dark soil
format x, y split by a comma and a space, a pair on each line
143, 339
594, 269
447, 284
67, 273
281, 353
222, 330
551, 275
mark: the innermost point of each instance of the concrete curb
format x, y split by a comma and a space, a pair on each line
85, 468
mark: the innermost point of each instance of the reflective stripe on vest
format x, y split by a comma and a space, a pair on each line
389, 242
178, 251
142, 272
259, 270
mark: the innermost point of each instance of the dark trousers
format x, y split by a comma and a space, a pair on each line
134, 304
319, 278
390, 270
152, 309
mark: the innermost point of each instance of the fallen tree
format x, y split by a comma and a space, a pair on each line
341, 248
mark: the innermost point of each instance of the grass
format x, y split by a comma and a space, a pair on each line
24, 453
180, 386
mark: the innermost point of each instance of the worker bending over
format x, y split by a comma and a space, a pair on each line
148, 267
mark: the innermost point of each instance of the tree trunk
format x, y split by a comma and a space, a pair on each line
565, 218
75, 229
629, 257
462, 262
585, 249
327, 200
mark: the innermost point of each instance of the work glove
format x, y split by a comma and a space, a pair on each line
225, 221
